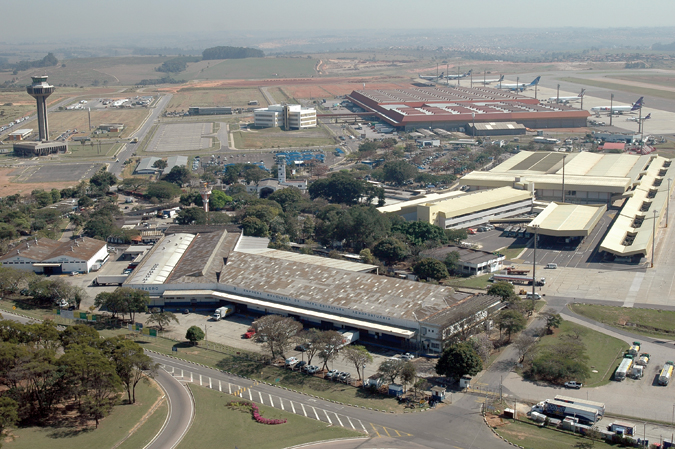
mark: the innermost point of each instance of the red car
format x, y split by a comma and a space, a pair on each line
249, 334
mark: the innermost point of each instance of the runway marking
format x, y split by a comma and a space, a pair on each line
328, 418
304, 411
293, 407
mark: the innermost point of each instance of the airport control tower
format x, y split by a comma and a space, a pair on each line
40, 90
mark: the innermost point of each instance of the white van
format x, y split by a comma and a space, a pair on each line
552, 266
535, 296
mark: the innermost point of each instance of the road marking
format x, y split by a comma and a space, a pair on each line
351, 423
229, 388
271, 401
397, 432
250, 394
220, 387
260, 396
362, 426
328, 418
191, 379
303, 409
386, 431
292, 406
338, 418
210, 383
200, 380
181, 373
315, 414
373, 425
282, 404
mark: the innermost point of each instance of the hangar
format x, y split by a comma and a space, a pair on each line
206, 268
464, 109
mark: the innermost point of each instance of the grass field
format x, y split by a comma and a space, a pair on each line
472, 282
77, 150
233, 97
276, 138
247, 364
651, 78
669, 95
142, 436
535, 437
110, 430
604, 352
251, 68
649, 322
216, 424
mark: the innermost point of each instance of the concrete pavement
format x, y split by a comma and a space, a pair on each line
181, 412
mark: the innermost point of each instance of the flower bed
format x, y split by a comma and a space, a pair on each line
255, 412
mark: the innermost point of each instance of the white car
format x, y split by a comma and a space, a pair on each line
332, 373
291, 361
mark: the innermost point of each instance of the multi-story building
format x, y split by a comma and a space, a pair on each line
287, 116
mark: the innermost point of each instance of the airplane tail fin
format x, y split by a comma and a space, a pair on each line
536, 81
441, 75
501, 78
648, 116
581, 94
638, 104
469, 72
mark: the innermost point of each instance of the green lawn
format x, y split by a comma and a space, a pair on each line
624, 88
111, 429
148, 430
511, 252
77, 150
276, 138
534, 437
217, 426
471, 282
604, 352
247, 364
649, 322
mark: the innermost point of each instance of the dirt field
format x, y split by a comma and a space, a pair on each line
7, 187
214, 96
276, 138
60, 121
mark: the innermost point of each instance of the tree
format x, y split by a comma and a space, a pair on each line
329, 344
163, 191
391, 250
391, 369
408, 373
563, 360
553, 321
366, 256
483, 346
194, 334
9, 414
276, 333
132, 365
524, 343
103, 179
398, 172
287, 198
420, 232
219, 200
358, 356
178, 175
430, 269
511, 321
191, 215
78, 334
456, 235
255, 227
458, 360
160, 164
343, 188
502, 289
254, 174
161, 318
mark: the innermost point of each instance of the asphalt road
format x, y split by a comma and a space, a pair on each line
125, 153
459, 425
181, 412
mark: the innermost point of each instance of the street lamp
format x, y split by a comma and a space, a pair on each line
534, 263
364, 375
611, 109
557, 98
668, 202
563, 178
654, 237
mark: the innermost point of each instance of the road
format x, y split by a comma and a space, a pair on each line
459, 425
181, 412
128, 149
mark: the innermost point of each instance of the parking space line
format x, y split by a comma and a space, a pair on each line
362, 426
397, 432
282, 404
229, 388
373, 425
303, 409
386, 431
292, 406
327, 417
200, 380
181, 373
316, 414
220, 387
210, 383
338, 418
250, 394
351, 423
271, 401
260, 396
191, 379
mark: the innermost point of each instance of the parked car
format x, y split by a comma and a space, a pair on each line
533, 296
330, 374
311, 369
186, 311
291, 361
344, 377
300, 364
407, 356
573, 384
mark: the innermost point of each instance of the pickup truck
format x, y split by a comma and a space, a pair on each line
573, 384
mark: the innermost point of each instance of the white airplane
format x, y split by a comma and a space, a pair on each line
637, 119
486, 82
567, 99
432, 78
518, 87
457, 77
618, 109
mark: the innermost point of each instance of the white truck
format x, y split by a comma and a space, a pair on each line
624, 368
348, 337
666, 373
222, 312
643, 360
517, 279
113, 279
599, 406
634, 349
559, 409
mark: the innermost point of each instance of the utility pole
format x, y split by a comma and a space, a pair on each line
534, 263
611, 109
668, 202
484, 72
557, 98
563, 179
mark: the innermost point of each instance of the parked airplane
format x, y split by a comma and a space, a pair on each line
486, 82
457, 77
432, 78
636, 119
520, 86
618, 109
567, 99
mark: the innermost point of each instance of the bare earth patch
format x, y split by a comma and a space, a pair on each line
7, 187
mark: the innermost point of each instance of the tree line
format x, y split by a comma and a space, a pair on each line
224, 52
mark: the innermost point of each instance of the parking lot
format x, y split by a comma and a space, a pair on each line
181, 137
56, 172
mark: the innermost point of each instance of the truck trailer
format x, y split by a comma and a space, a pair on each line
348, 337
622, 428
624, 368
666, 373
222, 312
643, 360
116, 279
559, 409
634, 349
599, 406
518, 279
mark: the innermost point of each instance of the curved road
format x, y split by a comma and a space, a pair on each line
181, 412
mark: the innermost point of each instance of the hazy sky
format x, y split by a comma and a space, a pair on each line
69, 18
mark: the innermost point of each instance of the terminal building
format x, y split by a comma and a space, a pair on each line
213, 266
286, 116
465, 109
637, 185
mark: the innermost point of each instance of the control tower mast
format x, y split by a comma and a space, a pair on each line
40, 90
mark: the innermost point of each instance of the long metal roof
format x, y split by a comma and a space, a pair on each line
158, 265
567, 220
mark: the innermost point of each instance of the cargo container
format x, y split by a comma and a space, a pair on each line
562, 410
666, 373
624, 368
117, 279
622, 428
599, 406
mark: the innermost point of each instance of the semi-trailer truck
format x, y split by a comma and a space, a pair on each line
116, 279
348, 337
623, 369
222, 312
666, 373
559, 409
599, 406
517, 279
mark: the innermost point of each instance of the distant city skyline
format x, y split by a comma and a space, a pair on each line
72, 19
